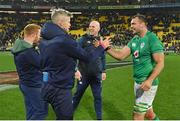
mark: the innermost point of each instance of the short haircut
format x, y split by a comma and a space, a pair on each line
140, 17
59, 13
31, 29
96, 22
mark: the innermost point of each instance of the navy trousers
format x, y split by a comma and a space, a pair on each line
36, 107
60, 100
96, 87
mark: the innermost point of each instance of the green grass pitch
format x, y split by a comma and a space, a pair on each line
118, 98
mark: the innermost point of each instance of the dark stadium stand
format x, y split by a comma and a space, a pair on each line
75, 2
115, 21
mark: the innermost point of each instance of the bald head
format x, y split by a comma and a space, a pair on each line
94, 28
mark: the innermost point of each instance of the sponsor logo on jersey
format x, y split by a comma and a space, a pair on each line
88, 42
142, 45
136, 54
133, 44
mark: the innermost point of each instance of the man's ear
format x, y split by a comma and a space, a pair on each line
60, 22
141, 25
99, 29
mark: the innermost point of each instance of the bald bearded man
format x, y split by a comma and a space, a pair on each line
91, 73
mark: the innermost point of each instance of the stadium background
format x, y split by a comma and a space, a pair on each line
163, 18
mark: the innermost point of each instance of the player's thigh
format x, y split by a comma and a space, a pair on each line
144, 101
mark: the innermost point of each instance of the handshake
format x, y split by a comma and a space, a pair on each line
105, 43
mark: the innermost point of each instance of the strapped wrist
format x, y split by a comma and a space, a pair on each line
107, 48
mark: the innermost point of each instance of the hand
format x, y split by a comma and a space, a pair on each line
96, 43
105, 43
146, 85
78, 75
103, 76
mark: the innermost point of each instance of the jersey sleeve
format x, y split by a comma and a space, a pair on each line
156, 45
130, 44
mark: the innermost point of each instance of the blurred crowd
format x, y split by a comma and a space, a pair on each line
166, 26
85, 2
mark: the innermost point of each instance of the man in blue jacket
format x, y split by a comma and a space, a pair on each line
59, 53
27, 60
92, 73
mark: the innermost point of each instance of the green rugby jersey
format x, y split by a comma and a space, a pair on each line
141, 51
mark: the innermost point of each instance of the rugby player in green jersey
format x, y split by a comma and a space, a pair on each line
148, 61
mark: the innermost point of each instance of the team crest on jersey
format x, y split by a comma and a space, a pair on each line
133, 44
136, 54
88, 42
142, 45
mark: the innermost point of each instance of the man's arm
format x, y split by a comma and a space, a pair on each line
74, 50
120, 54
33, 58
78, 75
159, 59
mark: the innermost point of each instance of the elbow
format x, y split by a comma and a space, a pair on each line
162, 65
122, 58
118, 59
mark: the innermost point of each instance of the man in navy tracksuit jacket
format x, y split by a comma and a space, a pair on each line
27, 61
59, 53
91, 73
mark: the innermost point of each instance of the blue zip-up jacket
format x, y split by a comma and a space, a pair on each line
59, 53
27, 61
95, 67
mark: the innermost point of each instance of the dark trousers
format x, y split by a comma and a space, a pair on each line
36, 107
96, 87
60, 100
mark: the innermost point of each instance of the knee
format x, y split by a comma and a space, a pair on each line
150, 115
138, 116
97, 97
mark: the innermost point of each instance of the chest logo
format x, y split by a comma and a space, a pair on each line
88, 42
133, 44
142, 45
136, 54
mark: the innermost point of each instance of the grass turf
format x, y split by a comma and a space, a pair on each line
117, 94
6, 62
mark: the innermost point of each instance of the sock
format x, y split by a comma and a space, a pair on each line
156, 118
